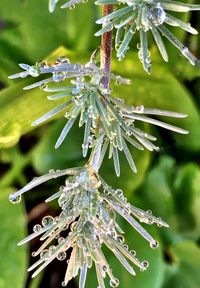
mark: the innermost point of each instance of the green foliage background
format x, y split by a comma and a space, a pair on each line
168, 182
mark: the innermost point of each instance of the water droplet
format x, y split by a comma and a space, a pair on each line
61, 240
140, 108
61, 256
47, 221
41, 63
149, 212
37, 228
52, 249
125, 246
160, 223
43, 86
154, 244
105, 268
156, 15
120, 238
34, 71
51, 171
150, 220
119, 192
57, 236
114, 282
58, 76
133, 252
44, 254
145, 264
14, 199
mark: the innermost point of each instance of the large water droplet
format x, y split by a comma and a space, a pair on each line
14, 199
47, 221
156, 15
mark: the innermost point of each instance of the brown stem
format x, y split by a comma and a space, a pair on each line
106, 47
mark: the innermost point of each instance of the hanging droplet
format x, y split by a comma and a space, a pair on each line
156, 15
114, 282
61, 256
37, 228
154, 244
47, 221
14, 199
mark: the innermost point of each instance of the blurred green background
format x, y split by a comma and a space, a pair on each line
168, 182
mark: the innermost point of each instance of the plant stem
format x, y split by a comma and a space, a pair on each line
106, 51
106, 47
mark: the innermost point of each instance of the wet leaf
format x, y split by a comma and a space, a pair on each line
184, 272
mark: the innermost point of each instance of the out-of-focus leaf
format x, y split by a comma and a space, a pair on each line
11, 10
18, 110
173, 193
184, 272
22, 39
157, 190
63, 27
46, 157
187, 196
13, 262
185, 71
